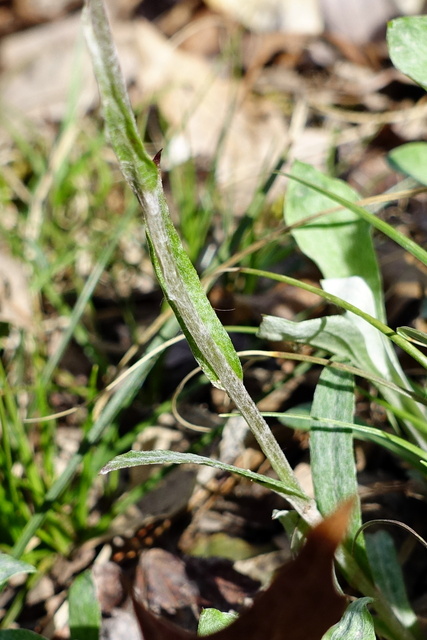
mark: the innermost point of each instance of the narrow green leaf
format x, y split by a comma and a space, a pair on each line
136, 165
388, 576
138, 458
413, 335
19, 634
356, 623
333, 241
331, 448
407, 45
10, 567
410, 159
212, 620
210, 343
85, 612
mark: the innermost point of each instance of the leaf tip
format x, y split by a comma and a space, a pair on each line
157, 158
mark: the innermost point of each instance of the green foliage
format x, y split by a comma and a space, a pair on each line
351, 278
51, 507
209, 341
407, 45
389, 578
174, 270
19, 634
212, 620
332, 456
10, 567
356, 623
332, 241
410, 159
85, 613
413, 335
138, 458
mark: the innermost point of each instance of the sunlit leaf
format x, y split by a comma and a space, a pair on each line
332, 241
10, 566
407, 44
356, 623
331, 448
138, 458
212, 620
410, 159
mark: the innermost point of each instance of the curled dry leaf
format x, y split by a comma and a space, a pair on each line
301, 603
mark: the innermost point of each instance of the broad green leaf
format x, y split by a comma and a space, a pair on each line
334, 334
331, 448
19, 634
210, 343
407, 45
10, 567
138, 458
334, 240
388, 576
356, 623
350, 337
212, 620
85, 612
357, 292
410, 159
397, 236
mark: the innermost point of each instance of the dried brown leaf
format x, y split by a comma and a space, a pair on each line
301, 604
